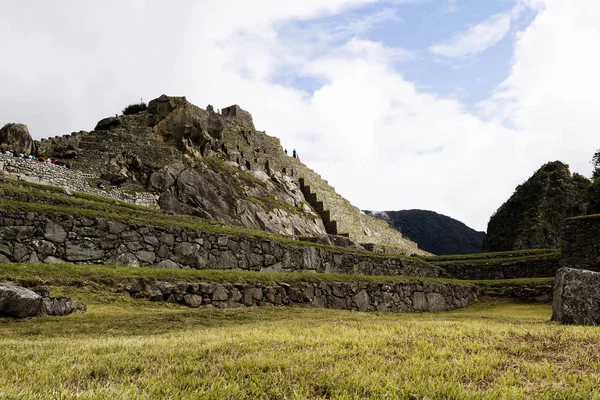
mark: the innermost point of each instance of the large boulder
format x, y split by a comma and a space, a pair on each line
576, 297
16, 301
107, 124
16, 137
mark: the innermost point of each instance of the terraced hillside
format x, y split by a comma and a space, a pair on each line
257, 150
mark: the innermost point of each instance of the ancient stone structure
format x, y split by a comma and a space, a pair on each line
576, 297
411, 296
68, 180
522, 292
16, 137
54, 237
531, 267
580, 243
255, 150
127, 150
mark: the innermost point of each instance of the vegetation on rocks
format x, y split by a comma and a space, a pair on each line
134, 108
532, 217
433, 232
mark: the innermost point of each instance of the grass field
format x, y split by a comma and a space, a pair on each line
125, 348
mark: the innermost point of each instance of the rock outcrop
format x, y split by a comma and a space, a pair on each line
249, 199
533, 216
16, 137
576, 297
216, 165
20, 302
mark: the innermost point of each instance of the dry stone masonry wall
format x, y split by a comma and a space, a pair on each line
55, 237
360, 296
67, 179
543, 266
580, 243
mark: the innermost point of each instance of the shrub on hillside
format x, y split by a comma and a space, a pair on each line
134, 108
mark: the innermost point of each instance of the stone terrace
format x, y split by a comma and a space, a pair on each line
68, 179
258, 151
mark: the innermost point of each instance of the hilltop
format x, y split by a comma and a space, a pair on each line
433, 232
533, 216
212, 164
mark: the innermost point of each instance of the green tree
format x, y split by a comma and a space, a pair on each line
596, 164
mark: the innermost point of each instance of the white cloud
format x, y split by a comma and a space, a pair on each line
553, 86
476, 39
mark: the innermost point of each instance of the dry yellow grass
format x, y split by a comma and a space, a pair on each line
125, 348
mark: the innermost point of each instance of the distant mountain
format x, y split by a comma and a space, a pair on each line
532, 217
433, 232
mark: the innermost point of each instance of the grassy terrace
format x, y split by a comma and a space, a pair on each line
49, 199
127, 348
497, 260
488, 256
111, 276
591, 216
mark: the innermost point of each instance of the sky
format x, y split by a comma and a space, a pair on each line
445, 105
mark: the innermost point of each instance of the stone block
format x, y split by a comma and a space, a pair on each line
576, 299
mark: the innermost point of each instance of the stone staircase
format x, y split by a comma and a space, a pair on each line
257, 150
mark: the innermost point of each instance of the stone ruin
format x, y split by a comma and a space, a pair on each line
576, 294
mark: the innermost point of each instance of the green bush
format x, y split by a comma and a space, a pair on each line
134, 108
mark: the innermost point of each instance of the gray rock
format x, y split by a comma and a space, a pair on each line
220, 293
53, 260
167, 264
83, 251
59, 306
17, 232
252, 295
189, 254
3, 259
33, 258
17, 137
54, 232
362, 300
107, 124
435, 302
419, 301
116, 227
192, 300
20, 251
124, 260
16, 301
146, 257
576, 298
44, 247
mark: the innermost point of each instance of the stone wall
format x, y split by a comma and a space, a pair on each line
580, 243
361, 296
522, 292
543, 266
54, 237
67, 179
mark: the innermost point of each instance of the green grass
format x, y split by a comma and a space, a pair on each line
112, 276
125, 348
498, 260
141, 215
499, 254
591, 216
